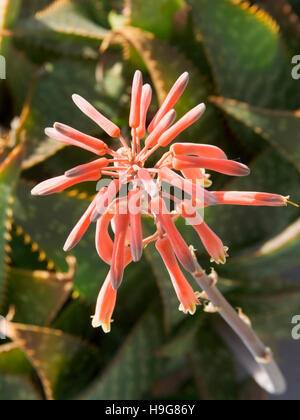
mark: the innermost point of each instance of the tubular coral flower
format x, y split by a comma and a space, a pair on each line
181, 249
227, 167
109, 127
186, 121
104, 243
118, 257
60, 183
105, 306
201, 150
186, 296
210, 240
145, 103
68, 135
127, 167
88, 167
136, 232
80, 228
161, 127
241, 198
173, 96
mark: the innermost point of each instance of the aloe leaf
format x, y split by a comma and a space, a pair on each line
16, 375
9, 172
37, 296
217, 379
156, 17
63, 78
50, 231
25, 254
62, 18
17, 388
281, 129
57, 359
274, 258
244, 48
136, 364
248, 59
32, 6
75, 317
9, 11
266, 308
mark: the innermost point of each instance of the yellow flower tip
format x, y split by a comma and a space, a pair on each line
207, 183
181, 308
95, 322
221, 260
191, 309
105, 325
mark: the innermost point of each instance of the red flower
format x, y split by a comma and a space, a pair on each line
145, 194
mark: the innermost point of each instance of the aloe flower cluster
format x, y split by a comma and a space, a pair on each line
137, 190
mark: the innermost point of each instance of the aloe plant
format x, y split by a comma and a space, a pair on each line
239, 57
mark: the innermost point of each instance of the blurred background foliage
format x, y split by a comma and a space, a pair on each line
239, 58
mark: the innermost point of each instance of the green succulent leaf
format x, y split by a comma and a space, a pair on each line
182, 341
37, 296
14, 361
248, 59
63, 18
9, 172
274, 258
32, 6
279, 128
267, 308
26, 254
156, 17
215, 380
62, 79
17, 388
172, 316
74, 319
136, 364
57, 358
9, 11
17, 377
